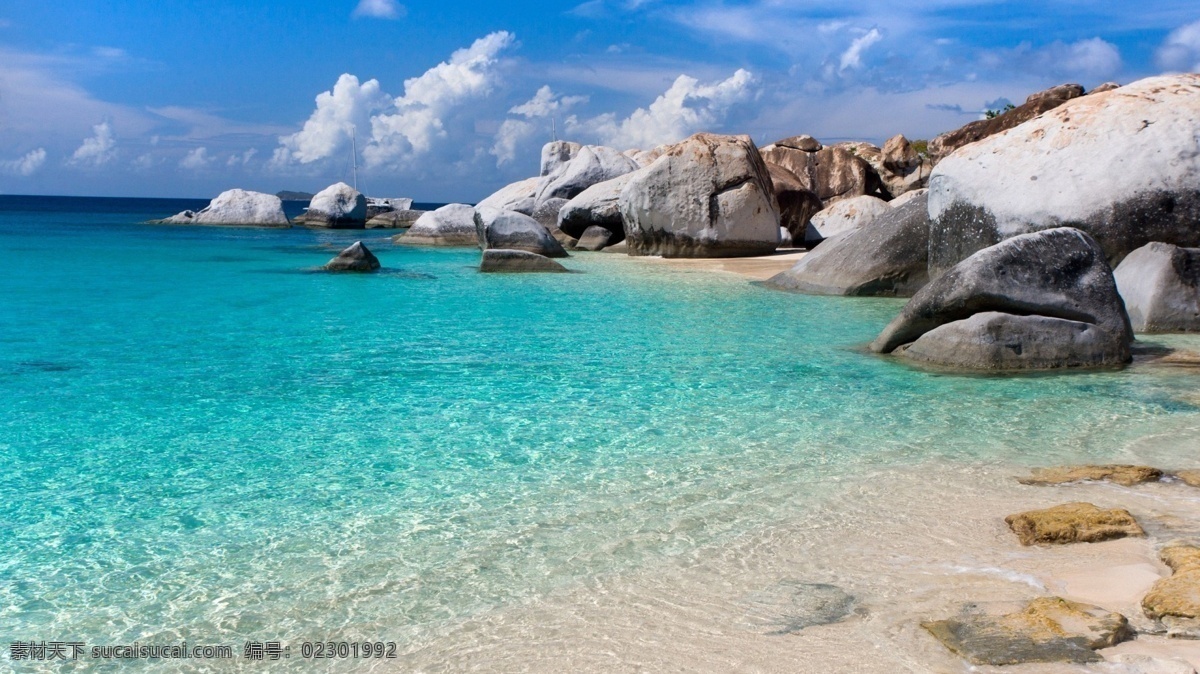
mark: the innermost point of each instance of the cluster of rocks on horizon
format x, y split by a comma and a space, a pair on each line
1004, 232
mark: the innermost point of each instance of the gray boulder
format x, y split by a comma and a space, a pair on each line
515, 231
450, 225
1035, 301
592, 164
556, 153
594, 238
832, 173
888, 257
843, 217
235, 208
597, 206
708, 196
1122, 165
546, 212
338, 206
518, 196
1160, 284
504, 260
354, 258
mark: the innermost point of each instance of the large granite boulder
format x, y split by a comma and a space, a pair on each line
901, 168
1035, 301
518, 196
887, 257
644, 158
797, 203
556, 153
355, 258
1048, 629
1160, 284
338, 206
380, 205
592, 164
450, 225
236, 208
515, 231
844, 216
594, 238
708, 196
546, 212
597, 206
507, 260
832, 173
1123, 166
1035, 105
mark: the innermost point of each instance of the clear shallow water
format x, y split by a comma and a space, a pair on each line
204, 439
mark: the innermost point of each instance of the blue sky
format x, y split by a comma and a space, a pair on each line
448, 101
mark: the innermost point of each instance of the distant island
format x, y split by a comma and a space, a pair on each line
287, 195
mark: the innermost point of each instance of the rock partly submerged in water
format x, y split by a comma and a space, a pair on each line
1035, 301
789, 606
355, 258
510, 230
1072, 523
1125, 475
884, 258
594, 238
1048, 629
450, 225
506, 260
394, 219
235, 208
338, 206
1160, 284
707, 196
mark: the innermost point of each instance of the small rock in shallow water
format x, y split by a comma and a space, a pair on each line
1049, 629
790, 606
1176, 600
354, 258
1123, 475
503, 260
1073, 523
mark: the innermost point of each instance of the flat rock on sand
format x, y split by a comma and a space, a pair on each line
1120, 474
1073, 523
1176, 600
1049, 629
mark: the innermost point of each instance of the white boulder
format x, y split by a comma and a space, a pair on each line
236, 208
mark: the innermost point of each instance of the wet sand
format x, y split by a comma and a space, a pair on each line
908, 545
759, 268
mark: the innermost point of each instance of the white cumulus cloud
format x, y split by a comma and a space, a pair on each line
97, 150
395, 131
687, 107
1181, 50
380, 9
418, 119
852, 57
195, 159
25, 166
514, 133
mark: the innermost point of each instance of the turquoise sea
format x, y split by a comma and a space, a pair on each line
205, 439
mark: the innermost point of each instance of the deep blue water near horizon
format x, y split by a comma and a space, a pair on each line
204, 438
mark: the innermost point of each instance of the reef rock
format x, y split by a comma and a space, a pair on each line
1072, 523
886, 257
510, 230
1119, 474
354, 258
1160, 284
338, 206
1035, 301
844, 216
1175, 601
1122, 165
1049, 629
708, 196
506, 260
236, 208
450, 225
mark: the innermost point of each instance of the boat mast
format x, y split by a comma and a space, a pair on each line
354, 155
